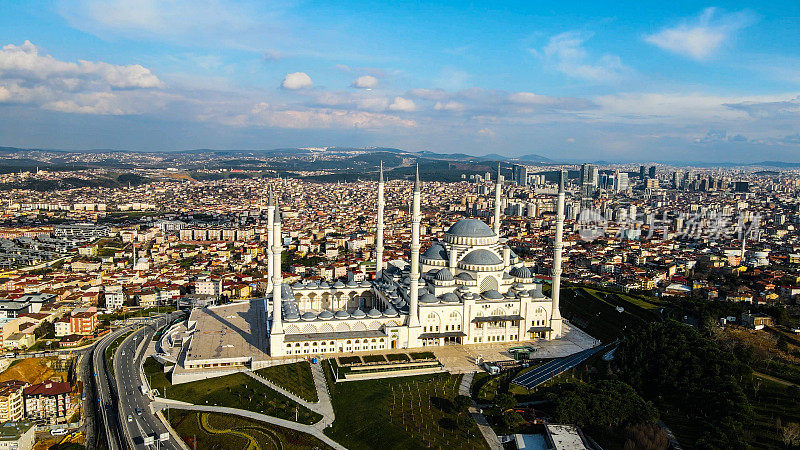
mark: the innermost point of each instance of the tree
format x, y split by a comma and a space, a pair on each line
505, 401
512, 419
462, 403
791, 434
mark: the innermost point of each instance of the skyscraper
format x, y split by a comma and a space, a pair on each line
641, 173
652, 172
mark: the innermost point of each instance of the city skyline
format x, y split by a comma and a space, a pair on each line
691, 82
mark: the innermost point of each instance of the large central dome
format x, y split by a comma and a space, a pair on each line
472, 228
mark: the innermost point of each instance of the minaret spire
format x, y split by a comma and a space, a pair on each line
413, 315
555, 318
497, 189
270, 239
379, 228
277, 277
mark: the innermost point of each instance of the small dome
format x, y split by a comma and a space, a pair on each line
374, 313
492, 294
401, 304
464, 276
324, 285
521, 272
523, 294
390, 312
364, 283
482, 257
444, 275
308, 316
291, 317
450, 298
325, 315
352, 283
435, 252
428, 298
358, 314
509, 294
338, 284
470, 228
298, 285
342, 314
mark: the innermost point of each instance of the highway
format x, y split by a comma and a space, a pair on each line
128, 378
105, 390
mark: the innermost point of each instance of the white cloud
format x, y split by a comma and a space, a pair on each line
267, 115
449, 106
486, 132
297, 80
565, 52
272, 55
402, 104
701, 36
365, 82
29, 77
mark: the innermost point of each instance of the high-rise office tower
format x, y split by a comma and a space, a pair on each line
641, 173
652, 172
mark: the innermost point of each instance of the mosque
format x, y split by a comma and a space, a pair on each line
467, 288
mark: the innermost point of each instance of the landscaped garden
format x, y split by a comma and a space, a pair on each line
233, 391
215, 431
295, 378
408, 412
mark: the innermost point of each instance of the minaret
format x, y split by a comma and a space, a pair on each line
270, 239
277, 278
413, 319
497, 189
555, 320
379, 229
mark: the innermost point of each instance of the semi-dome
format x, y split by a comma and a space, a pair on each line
325, 315
374, 313
341, 314
470, 228
390, 312
428, 298
436, 252
464, 276
481, 257
492, 294
521, 272
444, 275
308, 316
450, 298
358, 314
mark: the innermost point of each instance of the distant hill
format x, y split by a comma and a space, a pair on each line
535, 159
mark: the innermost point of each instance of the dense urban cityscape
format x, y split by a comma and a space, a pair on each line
711, 249
314, 224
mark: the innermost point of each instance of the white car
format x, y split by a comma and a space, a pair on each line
58, 432
130, 418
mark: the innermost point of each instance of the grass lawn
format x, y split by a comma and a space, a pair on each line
422, 355
233, 391
407, 412
595, 315
295, 378
217, 431
398, 357
349, 360
374, 358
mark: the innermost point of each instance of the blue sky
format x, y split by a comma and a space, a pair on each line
681, 81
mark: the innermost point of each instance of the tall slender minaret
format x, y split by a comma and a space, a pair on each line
270, 239
497, 188
555, 318
277, 277
413, 320
379, 229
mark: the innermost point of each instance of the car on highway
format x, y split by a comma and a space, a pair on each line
58, 432
138, 411
130, 418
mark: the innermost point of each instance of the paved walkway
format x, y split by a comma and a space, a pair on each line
310, 429
483, 425
324, 407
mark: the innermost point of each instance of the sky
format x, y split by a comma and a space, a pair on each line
645, 81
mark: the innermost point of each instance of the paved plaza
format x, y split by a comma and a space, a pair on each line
461, 358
